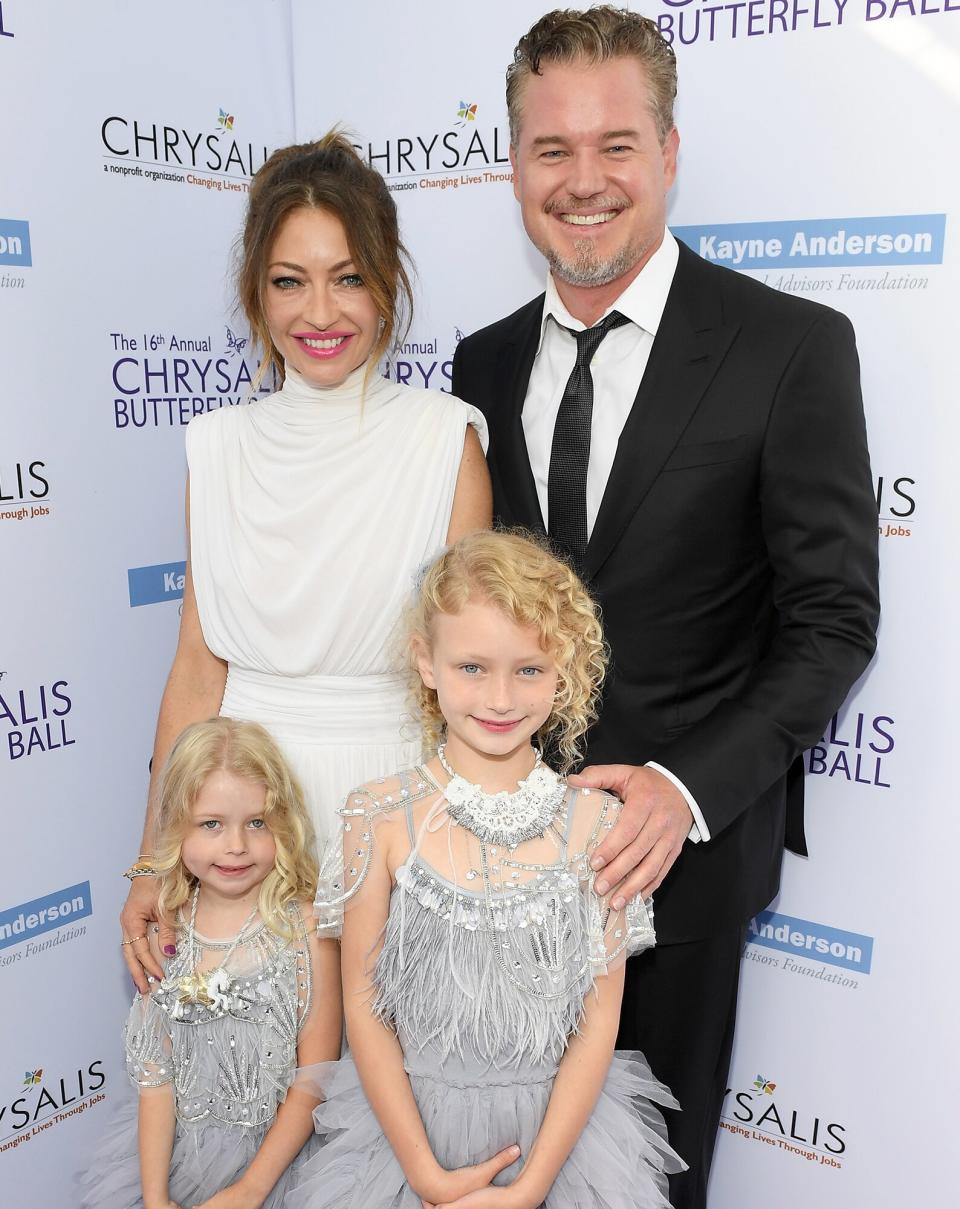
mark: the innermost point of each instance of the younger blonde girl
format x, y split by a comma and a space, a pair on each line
250, 995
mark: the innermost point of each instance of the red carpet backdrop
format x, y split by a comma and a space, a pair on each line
817, 154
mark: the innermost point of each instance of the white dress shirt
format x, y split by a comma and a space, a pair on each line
617, 369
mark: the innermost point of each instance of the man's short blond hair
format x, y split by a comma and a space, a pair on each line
594, 36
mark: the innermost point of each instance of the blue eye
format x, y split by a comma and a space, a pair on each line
209, 825
352, 281
257, 824
284, 283
470, 668
530, 672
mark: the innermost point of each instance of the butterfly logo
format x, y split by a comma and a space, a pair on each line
762, 1084
225, 120
235, 345
32, 1076
466, 113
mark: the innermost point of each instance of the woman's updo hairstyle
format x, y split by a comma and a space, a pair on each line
327, 175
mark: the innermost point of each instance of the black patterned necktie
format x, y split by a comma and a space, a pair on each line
570, 452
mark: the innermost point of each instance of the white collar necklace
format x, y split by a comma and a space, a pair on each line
504, 818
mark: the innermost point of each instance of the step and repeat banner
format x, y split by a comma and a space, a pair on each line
817, 155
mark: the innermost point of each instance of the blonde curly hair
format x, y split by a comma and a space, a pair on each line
248, 751
513, 572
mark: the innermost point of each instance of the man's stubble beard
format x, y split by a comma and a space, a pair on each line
588, 269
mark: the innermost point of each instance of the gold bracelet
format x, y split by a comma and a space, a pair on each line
141, 868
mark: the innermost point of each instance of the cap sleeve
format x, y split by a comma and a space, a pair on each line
346, 862
477, 420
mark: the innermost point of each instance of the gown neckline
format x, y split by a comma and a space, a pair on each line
300, 404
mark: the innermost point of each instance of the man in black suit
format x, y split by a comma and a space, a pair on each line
702, 458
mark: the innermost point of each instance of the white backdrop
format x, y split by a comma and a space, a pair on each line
127, 139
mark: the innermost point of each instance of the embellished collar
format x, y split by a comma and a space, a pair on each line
504, 818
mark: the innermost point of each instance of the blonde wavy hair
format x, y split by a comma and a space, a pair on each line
513, 572
246, 750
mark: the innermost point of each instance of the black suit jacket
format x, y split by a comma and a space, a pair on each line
734, 557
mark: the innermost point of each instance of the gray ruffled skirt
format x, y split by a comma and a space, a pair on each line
621, 1160
206, 1159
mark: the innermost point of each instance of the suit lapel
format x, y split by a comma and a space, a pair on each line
508, 446
689, 346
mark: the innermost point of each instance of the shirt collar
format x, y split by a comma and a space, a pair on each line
642, 302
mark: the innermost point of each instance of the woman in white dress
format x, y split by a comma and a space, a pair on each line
310, 511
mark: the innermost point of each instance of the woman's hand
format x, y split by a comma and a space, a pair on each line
138, 915
234, 1197
451, 1186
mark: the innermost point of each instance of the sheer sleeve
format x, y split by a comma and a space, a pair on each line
366, 815
614, 935
148, 1044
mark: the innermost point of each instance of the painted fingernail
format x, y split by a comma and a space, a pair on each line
596, 862
602, 886
619, 903
170, 950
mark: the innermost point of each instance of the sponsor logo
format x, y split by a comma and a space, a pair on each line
15, 242
755, 1114
19, 925
44, 1101
902, 239
24, 490
162, 379
875, 10
856, 748
469, 153
811, 941
426, 363
235, 344
36, 719
180, 154
5, 31
896, 505
686, 22
690, 21
151, 585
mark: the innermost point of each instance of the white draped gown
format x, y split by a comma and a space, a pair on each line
311, 513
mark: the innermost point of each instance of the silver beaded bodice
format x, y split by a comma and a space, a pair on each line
496, 955
232, 1060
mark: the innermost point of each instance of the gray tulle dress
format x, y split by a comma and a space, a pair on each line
488, 954
230, 1064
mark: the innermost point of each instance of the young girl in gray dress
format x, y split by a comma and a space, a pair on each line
252, 991
482, 974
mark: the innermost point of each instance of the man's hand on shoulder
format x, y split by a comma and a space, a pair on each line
654, 823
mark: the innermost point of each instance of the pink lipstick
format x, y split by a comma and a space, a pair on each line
323, 346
